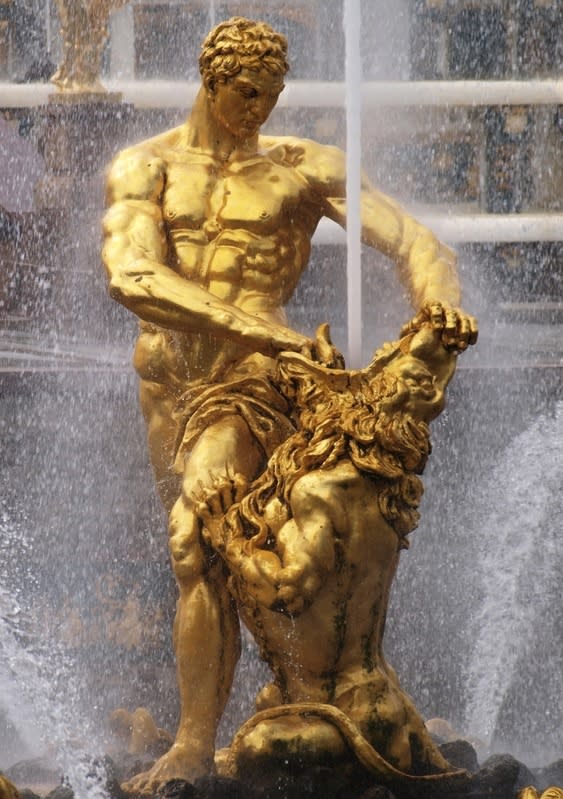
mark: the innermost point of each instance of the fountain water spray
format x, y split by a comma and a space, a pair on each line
518, 559
42, 685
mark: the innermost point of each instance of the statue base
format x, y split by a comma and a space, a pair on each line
80, 134
499, 777
318, 741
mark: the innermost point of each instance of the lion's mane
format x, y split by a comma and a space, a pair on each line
332, 425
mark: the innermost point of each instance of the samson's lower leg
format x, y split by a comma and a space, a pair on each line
206, 631
206, 628
206, 639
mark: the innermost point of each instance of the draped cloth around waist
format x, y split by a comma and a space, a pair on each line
247, 390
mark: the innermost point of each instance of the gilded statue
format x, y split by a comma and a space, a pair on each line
84, 31
208, 231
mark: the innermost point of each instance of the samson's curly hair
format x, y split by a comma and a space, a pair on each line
392, 448
242, 43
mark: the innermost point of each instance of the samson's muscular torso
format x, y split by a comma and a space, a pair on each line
241, 229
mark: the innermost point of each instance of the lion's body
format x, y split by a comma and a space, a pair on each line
310, 551
343, 556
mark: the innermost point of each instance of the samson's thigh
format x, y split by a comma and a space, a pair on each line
224, 449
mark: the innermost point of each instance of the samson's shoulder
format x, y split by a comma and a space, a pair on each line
322, 165
137, 172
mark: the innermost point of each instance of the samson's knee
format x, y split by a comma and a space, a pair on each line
186, 546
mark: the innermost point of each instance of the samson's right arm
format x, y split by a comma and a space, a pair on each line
135, 257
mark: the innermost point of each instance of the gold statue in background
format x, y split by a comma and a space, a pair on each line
7, 789
208, 231
84, 30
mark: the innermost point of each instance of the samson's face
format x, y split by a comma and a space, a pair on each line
243, 103
417, 389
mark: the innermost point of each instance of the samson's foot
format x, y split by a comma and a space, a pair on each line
181, 762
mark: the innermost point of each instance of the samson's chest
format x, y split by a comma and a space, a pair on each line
257, 195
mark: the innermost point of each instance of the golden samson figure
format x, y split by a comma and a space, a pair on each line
278, 512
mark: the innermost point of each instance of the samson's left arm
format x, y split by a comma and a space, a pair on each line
426, 266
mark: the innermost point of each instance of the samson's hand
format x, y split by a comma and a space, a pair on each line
458, 329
